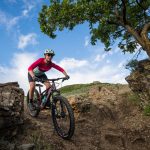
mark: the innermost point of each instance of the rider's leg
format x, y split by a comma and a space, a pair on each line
31, 91
47, 84
32, 87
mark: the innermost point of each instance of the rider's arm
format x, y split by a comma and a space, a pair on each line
65, 73
34, 65
59, 69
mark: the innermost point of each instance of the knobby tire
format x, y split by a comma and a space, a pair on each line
71, 129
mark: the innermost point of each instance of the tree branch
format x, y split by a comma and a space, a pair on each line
121, 20
124, 11
116, 11
120, 30
135, 34
139, 3
144, 34
112, 22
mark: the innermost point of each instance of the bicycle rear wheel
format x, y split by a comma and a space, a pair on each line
35, 112
63, 117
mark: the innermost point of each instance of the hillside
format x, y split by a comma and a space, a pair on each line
108, 117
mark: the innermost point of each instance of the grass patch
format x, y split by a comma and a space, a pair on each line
147, 110
83, 88
75, 89
40, 142
133, 97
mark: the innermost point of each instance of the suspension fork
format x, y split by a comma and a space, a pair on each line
40, 99
54, 93
39, 90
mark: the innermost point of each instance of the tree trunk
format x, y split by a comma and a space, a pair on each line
148, 51
145, 38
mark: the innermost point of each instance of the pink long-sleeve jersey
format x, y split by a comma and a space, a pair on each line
39, 67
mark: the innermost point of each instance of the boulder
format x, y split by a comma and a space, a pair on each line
11, 108
139, 81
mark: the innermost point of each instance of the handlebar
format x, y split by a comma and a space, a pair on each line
55, 79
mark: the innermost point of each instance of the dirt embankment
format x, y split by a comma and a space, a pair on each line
107, 118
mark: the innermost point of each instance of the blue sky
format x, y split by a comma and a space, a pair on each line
22, 42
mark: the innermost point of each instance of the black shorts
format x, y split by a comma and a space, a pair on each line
44, 77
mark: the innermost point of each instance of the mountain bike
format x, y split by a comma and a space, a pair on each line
61, 110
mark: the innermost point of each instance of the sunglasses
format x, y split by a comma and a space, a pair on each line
49, 55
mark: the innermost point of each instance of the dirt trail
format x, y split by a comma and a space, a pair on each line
113, 123
85, 136
95, 132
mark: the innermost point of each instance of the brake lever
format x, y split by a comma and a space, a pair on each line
63, 80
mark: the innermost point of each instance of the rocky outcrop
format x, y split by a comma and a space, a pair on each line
108, 119
101, 95
11, 109
139, 81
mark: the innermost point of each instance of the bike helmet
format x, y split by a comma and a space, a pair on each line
49, 51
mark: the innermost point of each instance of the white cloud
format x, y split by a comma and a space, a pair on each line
30, 5
110, 52
72, 63
3, 70
122, 64
28, 8
108, 61
12, 22
103, 74
117, 49
2, 17
86, 71
8, 21
25, 12
86, 41
80, 71
100, 57
18, 69
25, 40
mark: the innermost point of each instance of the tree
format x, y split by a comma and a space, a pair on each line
127, 21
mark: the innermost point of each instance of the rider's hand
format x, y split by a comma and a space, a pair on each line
67, 77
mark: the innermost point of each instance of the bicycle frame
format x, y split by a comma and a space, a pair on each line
49, 92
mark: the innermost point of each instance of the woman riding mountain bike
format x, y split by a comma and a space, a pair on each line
37, 70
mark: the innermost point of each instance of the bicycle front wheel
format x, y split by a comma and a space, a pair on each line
63, 117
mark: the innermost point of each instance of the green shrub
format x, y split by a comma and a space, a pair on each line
132, 65
147, 110
75, 89
133, 97
39, 140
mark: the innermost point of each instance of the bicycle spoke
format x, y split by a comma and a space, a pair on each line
62, 117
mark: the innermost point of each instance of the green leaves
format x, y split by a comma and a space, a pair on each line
107, 16
132, 65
